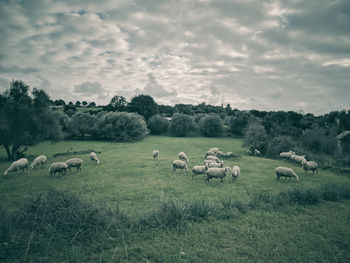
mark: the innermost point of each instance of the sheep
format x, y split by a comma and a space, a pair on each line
218, 165
74, 162
40, 160
183, 157
155, 154
249, 152
20, 164
256, 152
209, 153
208, 161
58, 167
227, 155
199, 169
214, 158
300, 159
236, 171
178, 164
93, 157
286, 172
217, 173
311, 165
214, 149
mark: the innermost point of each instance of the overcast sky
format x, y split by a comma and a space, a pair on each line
265, 55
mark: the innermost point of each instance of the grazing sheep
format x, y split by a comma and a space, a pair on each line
311, 165
183, 157
40, 160
249, 152
219, 153
155, 154
256, 152
300, 159
209, 153
227, 155
286, 172
178, 164
214, 158
218, 165
93, 157
199, 169
208, 162
236, 171
74, 162
217, 173
58, 167
20, 164
214, 149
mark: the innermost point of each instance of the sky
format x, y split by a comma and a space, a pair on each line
251, 54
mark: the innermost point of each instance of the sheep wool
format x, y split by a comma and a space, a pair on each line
217, 173
74, 162
199, 169
236, 171
39, 161
311, 165
286, 172
20, 164
178, 164
218, 165
58, 167
155, 154
212, 157
214, 149
183, 157
93, 157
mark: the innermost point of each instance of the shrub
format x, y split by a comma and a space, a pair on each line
255, 137
122, 126
211, 125
280, 144
181, 125
239, 122
158, 124
82, 124
316, 140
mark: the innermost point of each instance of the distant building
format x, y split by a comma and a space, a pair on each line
343, 140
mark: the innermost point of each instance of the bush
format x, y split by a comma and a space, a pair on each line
280, 144
181, 125
239, 122
158, 125
211, 125
122, 126
255, 137
316, 140
82, 124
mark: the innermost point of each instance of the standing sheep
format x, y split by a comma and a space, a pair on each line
208, 162
249, 152
218, 165
300, 160
311, 165
209, 153
93, 157
214, 158
236, 171
58, 167
217, 173
183, 157
256, 152
20, 164
227, 155
39, 161
178, 164
214, 149
74, 162
155, 154
286, 172
199, 169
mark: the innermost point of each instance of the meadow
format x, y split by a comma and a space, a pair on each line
156, 216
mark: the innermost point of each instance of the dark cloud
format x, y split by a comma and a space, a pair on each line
153, 88
16, 69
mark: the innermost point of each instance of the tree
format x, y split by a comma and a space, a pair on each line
181, 124
84, 103
92, 104
255, 136
82, 124
158, 124
70, 110
25, 121
211, 125
77, 103
119, 103
59, 103
143, 105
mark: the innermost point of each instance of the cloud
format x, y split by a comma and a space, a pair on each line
154, 89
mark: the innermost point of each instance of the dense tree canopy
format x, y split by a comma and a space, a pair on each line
143, 105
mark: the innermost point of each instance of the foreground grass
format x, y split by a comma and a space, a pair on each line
132, 208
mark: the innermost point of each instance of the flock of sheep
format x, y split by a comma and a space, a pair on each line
56, 167
212, 166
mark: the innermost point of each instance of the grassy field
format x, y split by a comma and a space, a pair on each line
128, 180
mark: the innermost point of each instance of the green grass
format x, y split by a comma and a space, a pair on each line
167, 213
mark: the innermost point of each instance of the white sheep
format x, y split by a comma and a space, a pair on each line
214, 158
249, 152
183, 157
286, 155
214, 149
58, 167
20, 164
217, 173
199, 169
256, 152
300, 159
311, 165
40, 160
218, 165
155, 154
227, 155
178, 164
286, 172
236, 171
74, 162
93, 157
208, 162
209, 153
